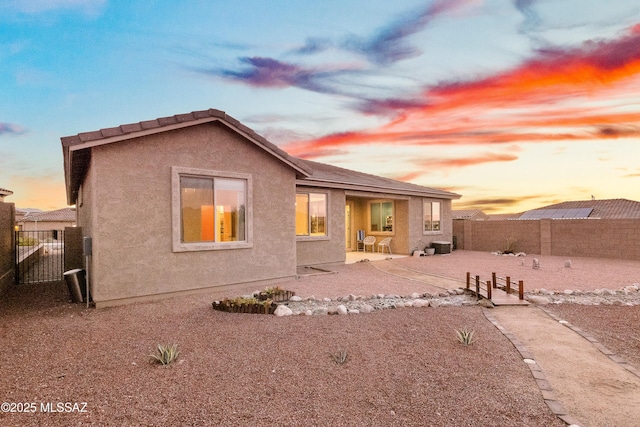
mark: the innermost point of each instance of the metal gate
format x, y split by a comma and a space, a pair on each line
39, 256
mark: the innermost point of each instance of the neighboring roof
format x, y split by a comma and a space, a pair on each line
77, 148
330, 176
25, 211
4, 193
560, 213
578, 209
60, 215
610, 209
77, 153
475, 214
502, 217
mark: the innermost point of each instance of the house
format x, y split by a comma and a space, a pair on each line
51, 220
198, 200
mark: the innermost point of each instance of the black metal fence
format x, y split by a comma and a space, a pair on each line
39, 256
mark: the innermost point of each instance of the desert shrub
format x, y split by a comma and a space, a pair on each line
165, 354
465, 336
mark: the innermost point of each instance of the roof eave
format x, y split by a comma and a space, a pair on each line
377, 189
84, 142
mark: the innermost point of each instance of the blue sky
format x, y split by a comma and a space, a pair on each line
514, 104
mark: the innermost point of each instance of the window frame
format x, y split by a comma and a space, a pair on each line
176, 210
393, 216
429, 202
309, 237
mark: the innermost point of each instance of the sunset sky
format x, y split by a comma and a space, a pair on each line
514, 104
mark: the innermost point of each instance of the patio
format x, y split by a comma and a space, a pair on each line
353, 257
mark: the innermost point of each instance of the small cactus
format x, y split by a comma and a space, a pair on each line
340, 357
465, 336
165, 354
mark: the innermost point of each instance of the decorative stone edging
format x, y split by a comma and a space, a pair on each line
353, 304
627, 295
528, 358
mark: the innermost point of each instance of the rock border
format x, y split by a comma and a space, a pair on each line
627, 296
359, 304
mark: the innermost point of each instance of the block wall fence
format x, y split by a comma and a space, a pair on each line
598, 238
7, 245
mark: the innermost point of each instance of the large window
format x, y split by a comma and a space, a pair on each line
210, 209
213, 209
381, 214
432, 216
311, 214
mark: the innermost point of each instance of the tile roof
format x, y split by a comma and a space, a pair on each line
77, 152
4, 192
76, 148
608, 208
469, 214
502, 217
60, 215
326, 175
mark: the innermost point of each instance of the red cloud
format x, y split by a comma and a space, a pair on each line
534, 102
431, 164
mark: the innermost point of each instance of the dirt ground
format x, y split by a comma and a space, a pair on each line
405, 365
593, 389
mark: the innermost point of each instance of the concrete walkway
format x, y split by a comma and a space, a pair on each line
359, 256
438, 283
581, 381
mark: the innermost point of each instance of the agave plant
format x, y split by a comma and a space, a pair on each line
465, 336
340, 357
165, 354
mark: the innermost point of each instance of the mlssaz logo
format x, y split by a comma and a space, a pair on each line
80, 407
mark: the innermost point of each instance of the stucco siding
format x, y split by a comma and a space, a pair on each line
85, 219
417, 240
402, 235
132, 234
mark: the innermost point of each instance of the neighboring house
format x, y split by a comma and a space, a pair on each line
503, 217
577, 209
474, 214
603, 209
198, 200
4, 193
582, 228
45, 221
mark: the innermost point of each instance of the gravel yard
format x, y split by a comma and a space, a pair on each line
404, 366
